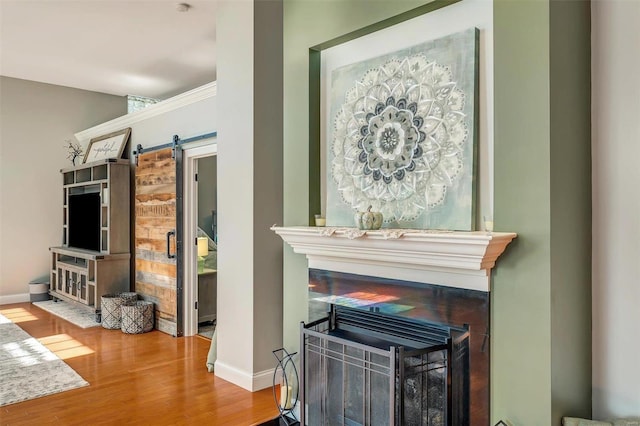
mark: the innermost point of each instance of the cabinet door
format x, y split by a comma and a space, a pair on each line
158, 236
73, 290
83, 290
67, 282
60, 280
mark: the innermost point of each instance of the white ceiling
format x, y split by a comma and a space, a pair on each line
121, 47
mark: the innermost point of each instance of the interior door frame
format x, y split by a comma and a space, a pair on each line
190, 209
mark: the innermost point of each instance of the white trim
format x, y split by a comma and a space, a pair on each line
15, 298
453, 259
190, 278
194, 152
190, 209
263, 379
251, 382
187, 98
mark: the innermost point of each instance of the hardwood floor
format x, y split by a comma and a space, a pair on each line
142, 379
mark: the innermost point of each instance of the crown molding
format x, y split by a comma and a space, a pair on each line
187, 98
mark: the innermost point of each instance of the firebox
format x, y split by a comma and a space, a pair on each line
361, 366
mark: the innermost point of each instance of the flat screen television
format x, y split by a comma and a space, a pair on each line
84, 221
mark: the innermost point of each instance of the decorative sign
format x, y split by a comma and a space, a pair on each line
107, 146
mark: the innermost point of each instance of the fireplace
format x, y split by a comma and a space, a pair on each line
431, 282
363, 367
449, 324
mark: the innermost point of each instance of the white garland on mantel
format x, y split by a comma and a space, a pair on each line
387, 234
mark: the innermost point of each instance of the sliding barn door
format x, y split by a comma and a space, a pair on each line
158, 234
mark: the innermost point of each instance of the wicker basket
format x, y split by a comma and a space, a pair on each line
138, 318
110, 310
129, 298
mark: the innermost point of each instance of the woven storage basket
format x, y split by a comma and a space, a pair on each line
110, 310
138, 318
129, 298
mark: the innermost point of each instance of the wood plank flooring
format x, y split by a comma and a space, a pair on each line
144, 379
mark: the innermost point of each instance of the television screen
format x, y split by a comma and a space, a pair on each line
84, 221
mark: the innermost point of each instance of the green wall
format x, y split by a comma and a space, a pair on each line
307, 24
521, 323
541, 298
570, 29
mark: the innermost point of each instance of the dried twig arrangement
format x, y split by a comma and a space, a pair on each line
74, 150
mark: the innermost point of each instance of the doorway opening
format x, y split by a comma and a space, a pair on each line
200, 229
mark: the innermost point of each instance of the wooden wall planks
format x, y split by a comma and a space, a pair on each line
155, 212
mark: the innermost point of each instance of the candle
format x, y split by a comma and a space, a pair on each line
488, 224
203, 246
285, 397
320, 221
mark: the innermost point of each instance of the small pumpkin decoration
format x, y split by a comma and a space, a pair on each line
368, 220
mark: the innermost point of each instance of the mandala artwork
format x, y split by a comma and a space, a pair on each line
402, 136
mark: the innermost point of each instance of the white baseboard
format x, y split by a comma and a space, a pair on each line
263, 379
14, 298
251, 382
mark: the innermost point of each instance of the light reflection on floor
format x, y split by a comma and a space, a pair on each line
28, 352
65, 346
18, 315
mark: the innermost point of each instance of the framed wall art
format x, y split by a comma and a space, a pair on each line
107, 146
400, 135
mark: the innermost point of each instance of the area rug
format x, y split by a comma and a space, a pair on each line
29, 370
77, 315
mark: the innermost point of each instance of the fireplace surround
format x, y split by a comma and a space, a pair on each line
433, 277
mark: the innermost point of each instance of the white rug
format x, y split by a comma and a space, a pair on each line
82, 317
29, 370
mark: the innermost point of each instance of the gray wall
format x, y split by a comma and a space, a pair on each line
193, 119
207, 192
616, 208
35, 121
249, 35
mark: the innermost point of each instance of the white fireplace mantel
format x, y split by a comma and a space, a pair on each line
448, 258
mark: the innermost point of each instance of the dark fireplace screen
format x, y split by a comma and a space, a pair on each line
363, 367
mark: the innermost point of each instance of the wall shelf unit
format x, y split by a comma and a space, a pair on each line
94, 258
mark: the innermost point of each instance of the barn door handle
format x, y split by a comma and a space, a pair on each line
169, 234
